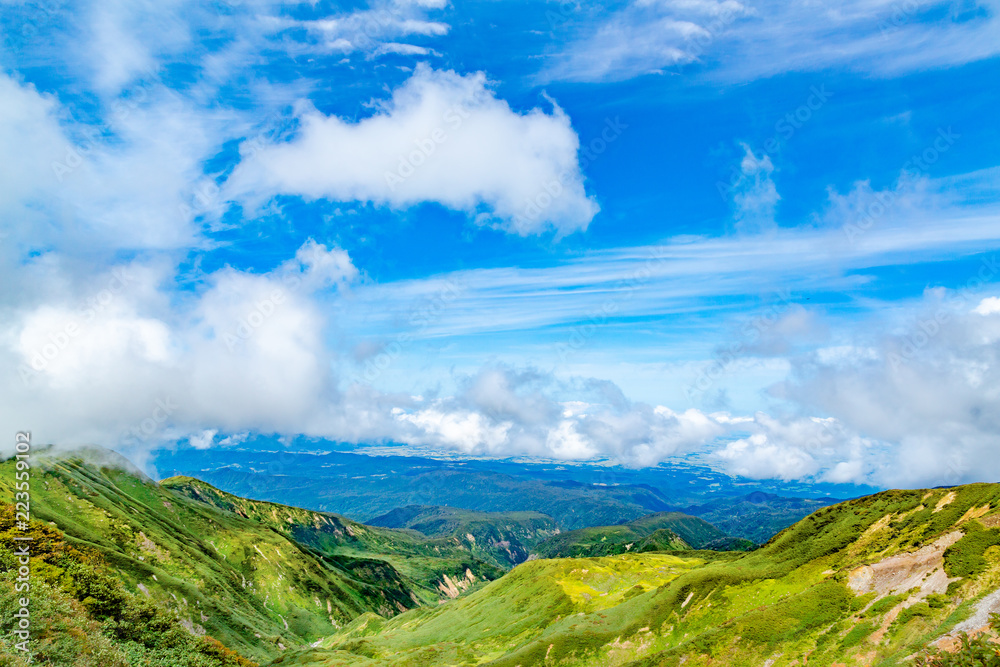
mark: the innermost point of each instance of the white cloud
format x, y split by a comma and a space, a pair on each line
203, 440
739, 42
375, 30
504, 412
758, 458
926, 387
130, 183
244, 351
444, 138
926, 220
988, 306
643, 38
800, 448
468, 432
755, 196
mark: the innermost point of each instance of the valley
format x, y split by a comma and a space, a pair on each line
182, 573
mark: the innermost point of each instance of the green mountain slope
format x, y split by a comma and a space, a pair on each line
430, 567
232, 572
867, 582
81, 614
504, 538
663, 531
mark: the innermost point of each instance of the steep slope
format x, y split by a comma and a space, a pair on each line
232, 578
236, 578
504, 538
867, 582
756, 516
427, 565
81, 614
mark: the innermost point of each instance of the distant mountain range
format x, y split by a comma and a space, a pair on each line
756, 516
365, 488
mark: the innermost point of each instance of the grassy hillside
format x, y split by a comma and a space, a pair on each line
867, 582
504, 538
663, 531
226, 572
81, 614
528, 603
423, 563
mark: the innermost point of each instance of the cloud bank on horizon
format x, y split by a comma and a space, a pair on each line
760, 236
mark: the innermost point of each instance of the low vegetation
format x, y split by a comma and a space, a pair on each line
801, 597
130, 572
233, 574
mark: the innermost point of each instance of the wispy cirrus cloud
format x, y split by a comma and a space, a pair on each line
741, 41
925, 221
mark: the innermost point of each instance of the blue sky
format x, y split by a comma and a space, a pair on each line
758, 234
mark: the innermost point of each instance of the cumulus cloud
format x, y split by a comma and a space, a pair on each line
504, 411
441, 137
988, 306
799, 448
133, 362
926, 389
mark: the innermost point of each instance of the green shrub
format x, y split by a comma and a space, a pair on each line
938, 601
965, 557
886, 603
857, 634
821, 605
919, 610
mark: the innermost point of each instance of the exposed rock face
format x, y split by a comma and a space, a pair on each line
980, 619
923, 569
454, 587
